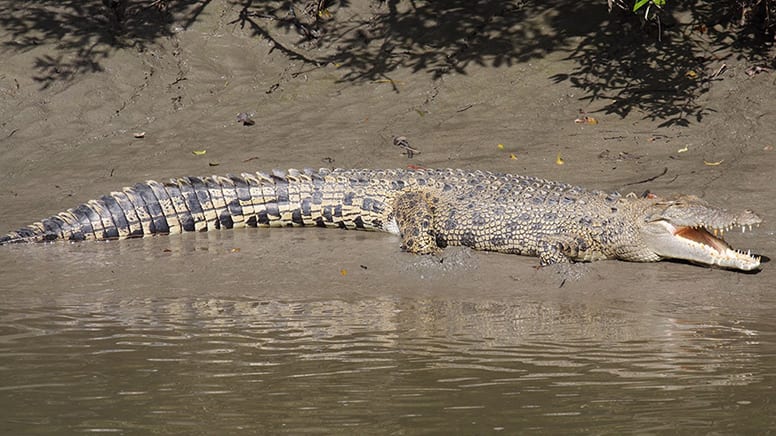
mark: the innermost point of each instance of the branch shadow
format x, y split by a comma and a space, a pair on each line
625, 63
659, 69
662, 68
86, 32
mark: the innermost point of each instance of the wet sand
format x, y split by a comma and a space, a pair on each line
68, 134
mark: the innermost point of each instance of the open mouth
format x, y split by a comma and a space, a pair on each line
718, 250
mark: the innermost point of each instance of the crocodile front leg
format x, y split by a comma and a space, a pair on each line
565, 248
552, 251
414, 213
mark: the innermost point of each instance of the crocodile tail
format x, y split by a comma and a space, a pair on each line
183, 204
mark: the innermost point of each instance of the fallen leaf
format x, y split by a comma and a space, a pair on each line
213, 164
559, 160
199, 152
512, 156
500, 146
713, 164
344, 272
586, 120
690, 74
235, 250
768, 148
139, 135
683, 150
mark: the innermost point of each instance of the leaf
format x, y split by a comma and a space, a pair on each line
713, 164
500, 146
559, 160
641, 3
512, 156
199, 152
584, 119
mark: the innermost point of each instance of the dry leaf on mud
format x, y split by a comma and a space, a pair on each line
512, 156
343, 272
139, 135
559, 160
586, 120
713, 164
683, 150
198, 152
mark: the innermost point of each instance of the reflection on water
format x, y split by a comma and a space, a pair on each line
386, 365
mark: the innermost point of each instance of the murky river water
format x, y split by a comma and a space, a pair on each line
196, 336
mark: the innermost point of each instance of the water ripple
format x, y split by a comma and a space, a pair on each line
379, 363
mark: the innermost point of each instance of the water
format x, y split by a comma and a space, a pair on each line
209, 341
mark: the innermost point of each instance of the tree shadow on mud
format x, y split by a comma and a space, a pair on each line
87, 31
629, 67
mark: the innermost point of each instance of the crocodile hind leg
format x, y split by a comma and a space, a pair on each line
414, 213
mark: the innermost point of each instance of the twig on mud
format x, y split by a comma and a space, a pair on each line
401, 141
718, 72
751, 71
665, 170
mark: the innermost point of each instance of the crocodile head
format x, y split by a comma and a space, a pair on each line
688, 228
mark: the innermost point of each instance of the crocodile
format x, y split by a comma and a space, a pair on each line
429, 209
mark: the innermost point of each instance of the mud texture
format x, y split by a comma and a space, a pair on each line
95, 98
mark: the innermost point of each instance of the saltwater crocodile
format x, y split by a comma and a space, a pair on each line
429, 209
